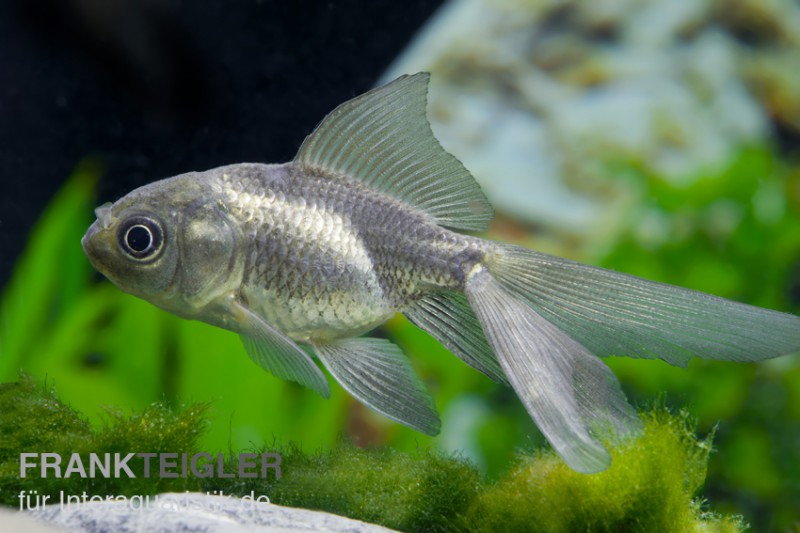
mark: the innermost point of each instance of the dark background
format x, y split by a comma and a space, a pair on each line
154, 88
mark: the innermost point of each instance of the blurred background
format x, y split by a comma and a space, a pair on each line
656, 137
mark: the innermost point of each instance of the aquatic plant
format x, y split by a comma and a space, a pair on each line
651, 486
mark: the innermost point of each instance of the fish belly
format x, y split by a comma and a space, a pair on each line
312, 314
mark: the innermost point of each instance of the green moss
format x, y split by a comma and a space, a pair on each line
423, 491
33, 421
652, 484
30, 419
649, 487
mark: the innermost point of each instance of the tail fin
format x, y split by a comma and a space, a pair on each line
572, 395
545, 317
616, 314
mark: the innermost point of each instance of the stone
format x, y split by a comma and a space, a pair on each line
195, 512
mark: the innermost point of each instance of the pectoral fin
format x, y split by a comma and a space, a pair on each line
277, 353
378, 375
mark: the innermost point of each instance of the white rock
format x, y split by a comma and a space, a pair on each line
14, 521
193, 512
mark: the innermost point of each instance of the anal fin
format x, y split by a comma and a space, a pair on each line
377, 374
448, 318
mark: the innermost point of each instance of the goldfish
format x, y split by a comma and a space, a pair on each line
373, 218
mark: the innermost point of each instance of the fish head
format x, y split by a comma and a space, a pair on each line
171, 243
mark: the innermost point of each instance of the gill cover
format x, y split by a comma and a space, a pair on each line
207, 258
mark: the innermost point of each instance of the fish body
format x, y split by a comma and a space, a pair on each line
329, 258
364, 223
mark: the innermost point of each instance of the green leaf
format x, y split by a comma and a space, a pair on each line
50, 274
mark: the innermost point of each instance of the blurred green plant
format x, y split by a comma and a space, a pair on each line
650, 486
735, 233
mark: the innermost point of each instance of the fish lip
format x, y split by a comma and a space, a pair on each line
87, 243
87, 248
104, 221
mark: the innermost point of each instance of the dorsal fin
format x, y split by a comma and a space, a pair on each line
383, 139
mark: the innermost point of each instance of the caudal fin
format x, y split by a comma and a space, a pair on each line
546, 319
617, 314
572, 396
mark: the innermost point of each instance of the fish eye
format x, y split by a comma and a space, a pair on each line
140, 237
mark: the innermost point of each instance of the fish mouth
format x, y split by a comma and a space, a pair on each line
87, 243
